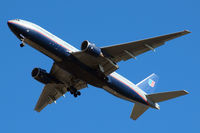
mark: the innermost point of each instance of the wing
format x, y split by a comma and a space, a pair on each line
116, 53
132, 49
51, 92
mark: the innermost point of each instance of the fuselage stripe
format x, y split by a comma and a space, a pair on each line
131, 88
43, 35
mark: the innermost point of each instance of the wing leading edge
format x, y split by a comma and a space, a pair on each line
129, 50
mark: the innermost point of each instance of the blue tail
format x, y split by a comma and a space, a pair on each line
148, 84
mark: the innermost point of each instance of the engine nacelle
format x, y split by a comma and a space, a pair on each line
91, 49
42, 76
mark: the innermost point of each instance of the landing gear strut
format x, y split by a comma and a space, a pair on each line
74, 91
22, 39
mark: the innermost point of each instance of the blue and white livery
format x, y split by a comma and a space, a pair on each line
73, 69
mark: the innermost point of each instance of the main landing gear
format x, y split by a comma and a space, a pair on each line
74, 91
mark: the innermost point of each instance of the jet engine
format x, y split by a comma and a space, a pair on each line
91, 49
42, 76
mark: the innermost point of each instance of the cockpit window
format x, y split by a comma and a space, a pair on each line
17, 19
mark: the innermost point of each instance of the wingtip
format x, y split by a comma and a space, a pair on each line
186, 92
37, 110
186, 31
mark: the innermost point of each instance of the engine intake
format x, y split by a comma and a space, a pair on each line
42, 76
91, 48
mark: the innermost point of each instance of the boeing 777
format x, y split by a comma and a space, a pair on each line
73, 69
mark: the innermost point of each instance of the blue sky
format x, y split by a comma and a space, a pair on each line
104, 23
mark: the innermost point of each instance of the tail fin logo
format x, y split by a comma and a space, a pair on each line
151, 83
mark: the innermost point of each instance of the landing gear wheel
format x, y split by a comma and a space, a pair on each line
71, 92
74, 91
78, 93
75, 95
21, 45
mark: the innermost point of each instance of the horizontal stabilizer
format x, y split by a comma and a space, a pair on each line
163, 96
138, 110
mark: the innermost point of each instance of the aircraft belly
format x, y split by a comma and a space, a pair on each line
62, 56
122, 90
65, 60
115, 93
70, 64
80, 71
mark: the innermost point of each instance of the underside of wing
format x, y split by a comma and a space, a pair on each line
102, 64
52, 91
132, 49
138, 110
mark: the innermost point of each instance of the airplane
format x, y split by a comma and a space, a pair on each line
74, 69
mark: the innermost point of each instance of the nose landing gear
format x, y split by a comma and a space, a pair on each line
22, 39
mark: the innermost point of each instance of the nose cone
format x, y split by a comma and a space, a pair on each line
15, 27
11, 24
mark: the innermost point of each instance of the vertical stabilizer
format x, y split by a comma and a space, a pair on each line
148, 84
